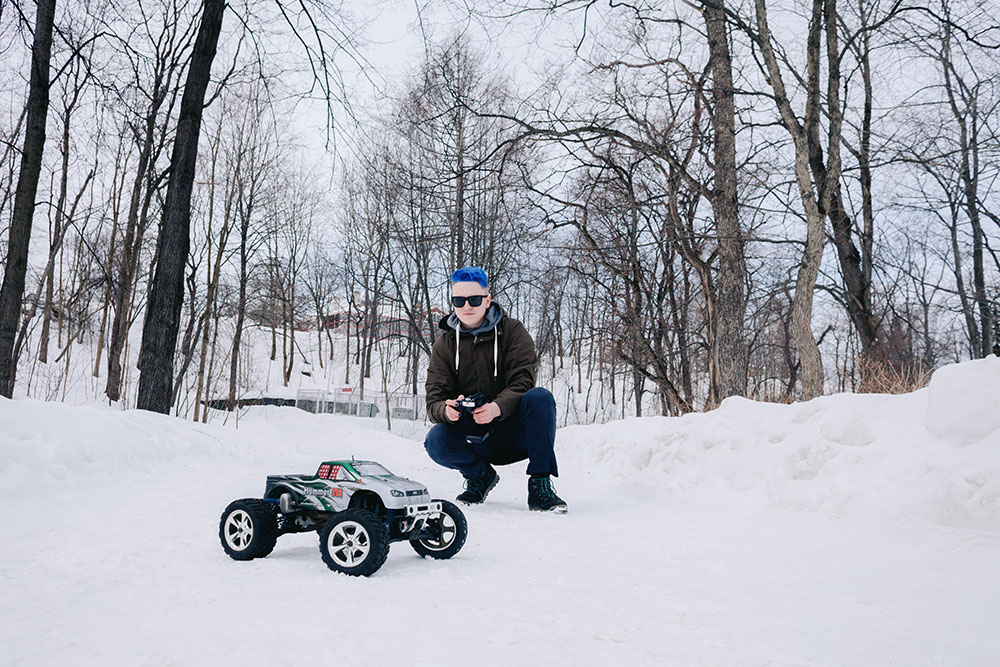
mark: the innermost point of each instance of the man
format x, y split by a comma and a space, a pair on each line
485, 355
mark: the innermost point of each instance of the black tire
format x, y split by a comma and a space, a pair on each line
248, 529
451, 528
354, 542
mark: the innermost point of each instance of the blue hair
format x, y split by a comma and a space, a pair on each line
470, 274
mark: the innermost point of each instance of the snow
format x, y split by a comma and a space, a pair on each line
964, 403
934, 453
849, 530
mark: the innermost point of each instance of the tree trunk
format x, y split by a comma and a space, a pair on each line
241, 309
637, 382
56, 239
116, 189
969, 151
857, 281
12, 291
214, 270
728, 345
128, 263
209, 383
805, 284
459, 229
347, 339
159, 335
191, 333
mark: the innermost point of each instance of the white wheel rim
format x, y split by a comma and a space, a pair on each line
348, 544
448, 532
238, 530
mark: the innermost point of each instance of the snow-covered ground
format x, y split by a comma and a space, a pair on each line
849, 530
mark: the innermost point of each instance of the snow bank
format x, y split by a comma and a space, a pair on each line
72, 445
83, 447
934, 453
964, 401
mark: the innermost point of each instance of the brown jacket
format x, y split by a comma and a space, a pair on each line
515, 373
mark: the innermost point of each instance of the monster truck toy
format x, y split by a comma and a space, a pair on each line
358, 508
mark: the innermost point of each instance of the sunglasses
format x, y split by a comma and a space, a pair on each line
474, 301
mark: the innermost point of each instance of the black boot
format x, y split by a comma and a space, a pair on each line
476, 490
542, 496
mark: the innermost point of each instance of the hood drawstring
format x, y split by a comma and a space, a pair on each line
496, 368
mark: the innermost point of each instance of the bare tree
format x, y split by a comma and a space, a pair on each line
728, 345
159, 334
216, 253
287, 235
168, 35
77, 77
814, 198
321, 284
970, 104
253, 160
956, 149
12, 290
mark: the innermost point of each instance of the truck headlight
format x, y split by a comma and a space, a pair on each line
397, 494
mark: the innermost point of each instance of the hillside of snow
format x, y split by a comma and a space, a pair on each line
848, 530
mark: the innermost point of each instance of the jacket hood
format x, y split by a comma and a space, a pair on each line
493, 316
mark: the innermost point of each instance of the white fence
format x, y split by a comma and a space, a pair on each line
348, 401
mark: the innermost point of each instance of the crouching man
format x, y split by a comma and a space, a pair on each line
481, 394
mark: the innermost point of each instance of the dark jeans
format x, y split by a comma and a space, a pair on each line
528, 434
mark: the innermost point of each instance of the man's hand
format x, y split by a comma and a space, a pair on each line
450, 411
486, 413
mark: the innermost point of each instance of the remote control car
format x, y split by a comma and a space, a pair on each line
358, 507
469, 404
